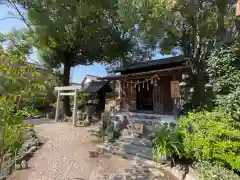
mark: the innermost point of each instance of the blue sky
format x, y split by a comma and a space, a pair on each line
78, 72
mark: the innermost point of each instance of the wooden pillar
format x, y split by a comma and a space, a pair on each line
75, 107
57, 106
114, 89
176, 97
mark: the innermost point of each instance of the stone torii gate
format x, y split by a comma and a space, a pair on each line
71, 91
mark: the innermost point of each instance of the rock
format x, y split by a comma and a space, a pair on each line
118, 178
19, 158
67, 119
24, 164
156, 172
94, 153
177, 172
31, 150
142, 142
8, 168
191, 174
29, 135
33, 141
18, 167
126, 132
27, 149
3, 178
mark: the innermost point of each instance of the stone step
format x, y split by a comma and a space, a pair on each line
141, 151
132, 149
136, 141
135, 146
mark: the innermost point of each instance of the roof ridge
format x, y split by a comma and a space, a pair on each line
150, 63
147, 61
91, 75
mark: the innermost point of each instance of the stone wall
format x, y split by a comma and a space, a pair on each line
19, 161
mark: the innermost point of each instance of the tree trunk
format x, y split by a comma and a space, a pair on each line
220, 23
66, 78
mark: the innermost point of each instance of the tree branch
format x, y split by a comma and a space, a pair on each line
12, 17
20, 14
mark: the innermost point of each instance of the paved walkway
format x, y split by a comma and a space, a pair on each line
65, 156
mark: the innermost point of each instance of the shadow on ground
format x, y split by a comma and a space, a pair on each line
39, 121
137, 173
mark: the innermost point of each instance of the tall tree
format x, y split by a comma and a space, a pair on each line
70, 33
190, 25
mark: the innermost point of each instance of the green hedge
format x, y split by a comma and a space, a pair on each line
211, 136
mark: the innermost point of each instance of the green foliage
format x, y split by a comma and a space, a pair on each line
82, 100
19, 81
211, 136
166, 144
106, 130
207, 171
87, 32
189, 26
13, 138
71, 33
224, 77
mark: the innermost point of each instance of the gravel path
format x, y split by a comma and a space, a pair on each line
65, 156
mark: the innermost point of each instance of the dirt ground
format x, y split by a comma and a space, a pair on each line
65, 156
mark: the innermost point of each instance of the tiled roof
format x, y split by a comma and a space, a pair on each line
152, 63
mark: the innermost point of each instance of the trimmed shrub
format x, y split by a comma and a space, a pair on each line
207, 171
211, 136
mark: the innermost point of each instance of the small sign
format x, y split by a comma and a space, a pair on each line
137, 128
175, 90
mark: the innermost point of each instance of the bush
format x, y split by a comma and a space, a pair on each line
211, 136
207, 171
166, 144
13, 138
223, 70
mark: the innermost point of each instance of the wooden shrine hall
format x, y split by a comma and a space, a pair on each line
150, 86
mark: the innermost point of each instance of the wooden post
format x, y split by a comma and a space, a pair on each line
175, 93
57, 106
75, 108
114, 89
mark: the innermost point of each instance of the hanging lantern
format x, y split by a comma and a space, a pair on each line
143, 85
147, 86
155, 82
138, 88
